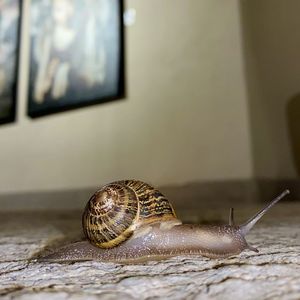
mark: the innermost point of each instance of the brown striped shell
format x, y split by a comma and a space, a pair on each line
117, 209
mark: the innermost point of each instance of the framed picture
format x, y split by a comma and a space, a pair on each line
77, 54
10, 12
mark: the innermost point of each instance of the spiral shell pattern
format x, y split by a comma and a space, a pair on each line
117, 209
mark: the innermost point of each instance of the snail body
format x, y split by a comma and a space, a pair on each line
130, 221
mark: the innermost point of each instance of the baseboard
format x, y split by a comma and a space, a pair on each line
192, 195
237, 192
269, 188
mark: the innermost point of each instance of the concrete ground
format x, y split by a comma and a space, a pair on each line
273, 273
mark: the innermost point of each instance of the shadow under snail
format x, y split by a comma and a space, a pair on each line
130, 221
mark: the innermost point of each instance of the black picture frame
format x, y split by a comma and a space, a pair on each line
76, 56
10, 25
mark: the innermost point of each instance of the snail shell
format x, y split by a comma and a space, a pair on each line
115, 211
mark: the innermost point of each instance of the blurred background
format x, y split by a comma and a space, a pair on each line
212, 111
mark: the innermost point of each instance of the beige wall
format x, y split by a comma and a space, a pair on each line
185, 118
272, 48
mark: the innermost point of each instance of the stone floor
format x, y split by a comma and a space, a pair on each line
273, 273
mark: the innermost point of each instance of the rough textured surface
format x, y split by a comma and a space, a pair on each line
273, 273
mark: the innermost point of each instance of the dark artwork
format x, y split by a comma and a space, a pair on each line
9, 46
76, 54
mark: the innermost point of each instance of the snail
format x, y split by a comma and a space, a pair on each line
130, 221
